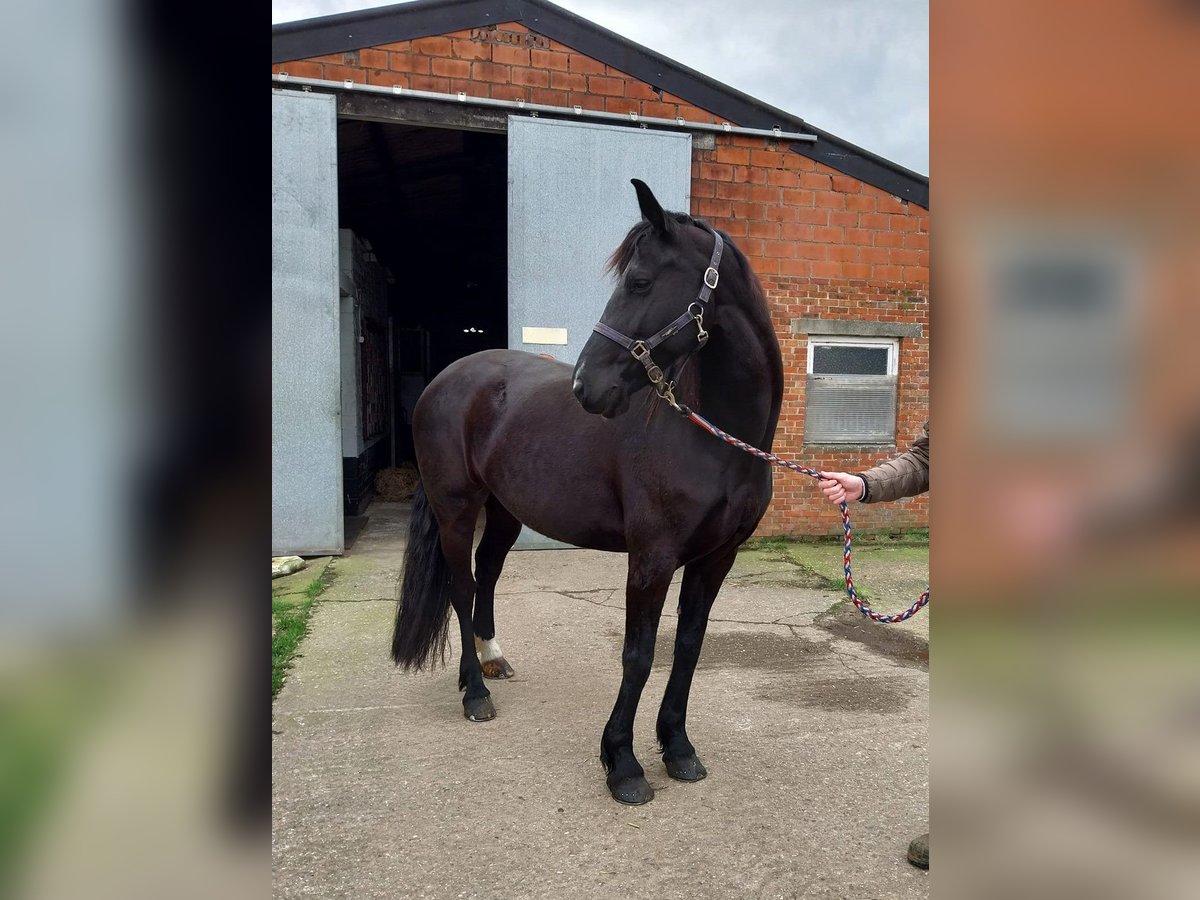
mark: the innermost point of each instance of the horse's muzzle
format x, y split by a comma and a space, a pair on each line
607, 404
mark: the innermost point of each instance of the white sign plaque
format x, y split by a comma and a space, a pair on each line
543, 335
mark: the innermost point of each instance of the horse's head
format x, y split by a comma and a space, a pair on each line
662, 267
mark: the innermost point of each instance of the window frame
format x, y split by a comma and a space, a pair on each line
891, 343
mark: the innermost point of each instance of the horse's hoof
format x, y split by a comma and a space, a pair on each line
497, 668
632, 791
479, 710
687, 769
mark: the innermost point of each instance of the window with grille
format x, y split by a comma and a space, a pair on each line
851, 396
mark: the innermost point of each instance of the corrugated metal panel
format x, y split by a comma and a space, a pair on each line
569, 205
306, 454
850, 409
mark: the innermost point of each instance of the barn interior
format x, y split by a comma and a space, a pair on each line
430, 205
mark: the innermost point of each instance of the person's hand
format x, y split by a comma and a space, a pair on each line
839, 486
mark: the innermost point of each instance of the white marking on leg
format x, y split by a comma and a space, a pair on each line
488, 650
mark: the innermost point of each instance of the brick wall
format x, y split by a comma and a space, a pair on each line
824, 244
829, 246
798, 508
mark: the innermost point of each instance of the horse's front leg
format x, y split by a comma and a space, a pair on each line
701, 582
645, 591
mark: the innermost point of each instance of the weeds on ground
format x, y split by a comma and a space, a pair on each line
900, 537
819, 558
40, 722
289, 619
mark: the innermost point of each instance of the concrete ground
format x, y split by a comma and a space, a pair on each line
811, 721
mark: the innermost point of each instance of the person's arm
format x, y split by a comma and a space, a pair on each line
904, 476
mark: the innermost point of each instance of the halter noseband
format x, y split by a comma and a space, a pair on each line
640, 349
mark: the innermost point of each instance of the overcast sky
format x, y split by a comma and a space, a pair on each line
857, 68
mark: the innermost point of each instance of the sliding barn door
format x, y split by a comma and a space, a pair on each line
569, 205
306, 438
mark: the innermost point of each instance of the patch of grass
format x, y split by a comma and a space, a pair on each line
905, 537
40, 722
897, 537
817, 560
773, 542
289, 619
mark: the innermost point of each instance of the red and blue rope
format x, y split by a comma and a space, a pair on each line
912, 610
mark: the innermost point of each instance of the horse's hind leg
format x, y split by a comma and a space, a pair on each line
457, 521
499, 535
701, 582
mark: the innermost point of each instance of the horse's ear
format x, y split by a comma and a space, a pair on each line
652, 212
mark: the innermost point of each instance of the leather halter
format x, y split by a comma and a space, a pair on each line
640, 349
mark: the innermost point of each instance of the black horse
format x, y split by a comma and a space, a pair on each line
533, 442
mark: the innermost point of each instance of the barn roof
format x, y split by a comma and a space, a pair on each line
425, 18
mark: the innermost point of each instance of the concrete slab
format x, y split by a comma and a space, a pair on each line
888, 578
371, 569
815, 744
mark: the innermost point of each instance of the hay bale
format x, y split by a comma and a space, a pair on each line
397, 483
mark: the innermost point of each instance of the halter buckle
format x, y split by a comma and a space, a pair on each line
638, 350
711, 277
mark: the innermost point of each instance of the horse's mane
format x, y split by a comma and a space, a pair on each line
623, 255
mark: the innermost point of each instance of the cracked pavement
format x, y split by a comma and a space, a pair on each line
812, 723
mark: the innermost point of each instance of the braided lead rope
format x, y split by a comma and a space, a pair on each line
912, 610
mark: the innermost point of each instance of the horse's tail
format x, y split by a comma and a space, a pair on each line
423, 614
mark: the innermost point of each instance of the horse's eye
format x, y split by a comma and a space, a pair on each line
640, 285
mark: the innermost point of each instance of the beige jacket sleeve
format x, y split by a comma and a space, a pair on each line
905, 476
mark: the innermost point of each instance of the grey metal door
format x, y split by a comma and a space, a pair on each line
306, 439
569, 205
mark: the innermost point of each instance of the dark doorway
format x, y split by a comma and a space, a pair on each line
432, 204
